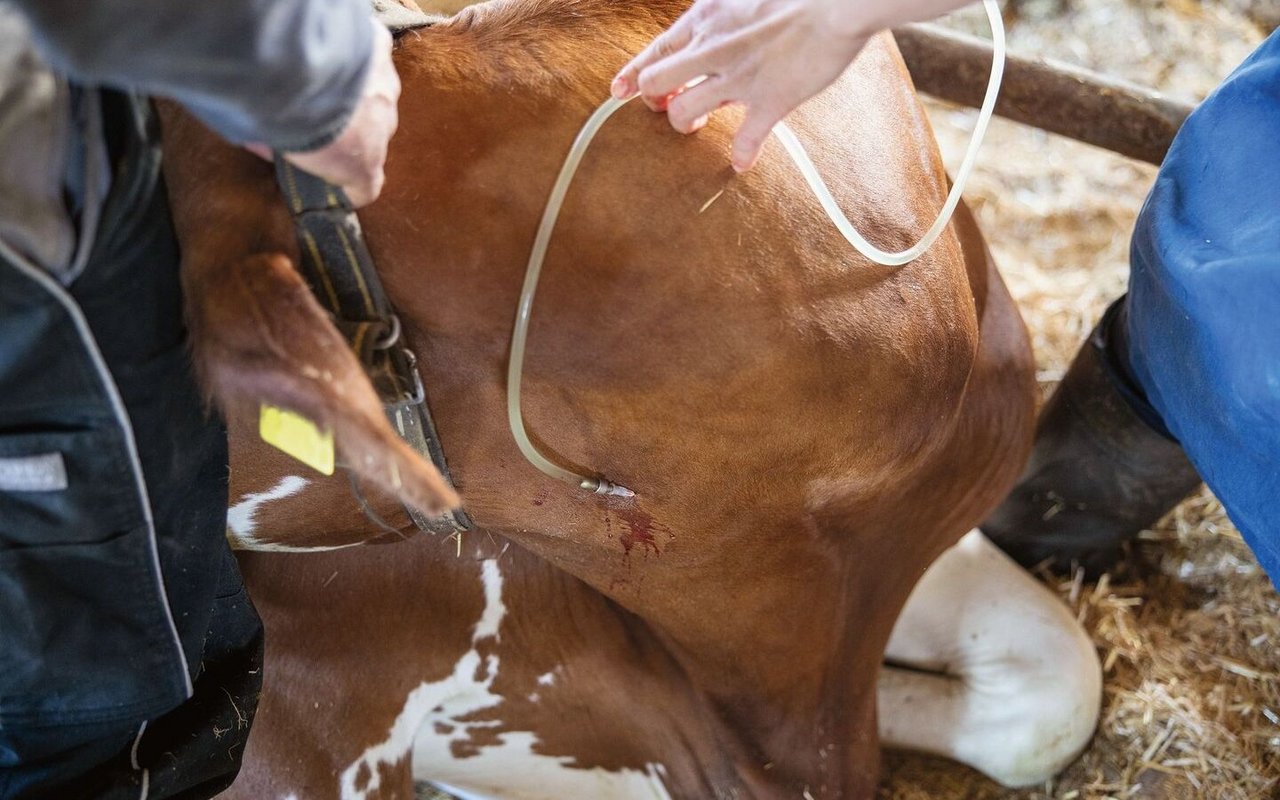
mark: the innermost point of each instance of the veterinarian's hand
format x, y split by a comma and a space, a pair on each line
356, 158
769, 55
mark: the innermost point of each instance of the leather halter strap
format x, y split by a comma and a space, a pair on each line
336, 264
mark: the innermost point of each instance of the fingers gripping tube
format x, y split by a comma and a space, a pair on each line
520, 331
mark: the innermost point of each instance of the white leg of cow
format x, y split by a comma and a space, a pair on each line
988, 667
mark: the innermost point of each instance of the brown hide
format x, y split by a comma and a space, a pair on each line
805, 431
258, 335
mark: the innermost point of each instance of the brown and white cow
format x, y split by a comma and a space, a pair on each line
805, 432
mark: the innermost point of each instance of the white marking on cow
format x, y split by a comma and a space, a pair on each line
240, 517
540, 777
438, 714
456, 695
279, 547
242, 525
461, 794
547, 679
494, 610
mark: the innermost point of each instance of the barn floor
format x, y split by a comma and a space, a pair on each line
1189, 630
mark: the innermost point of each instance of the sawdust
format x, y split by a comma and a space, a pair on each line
1189, 632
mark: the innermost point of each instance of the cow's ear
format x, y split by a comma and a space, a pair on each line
260, 338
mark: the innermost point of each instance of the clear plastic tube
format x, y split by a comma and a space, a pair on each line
794, 149
520, 332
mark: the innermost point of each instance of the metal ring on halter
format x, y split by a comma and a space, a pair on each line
392, 336
419, 395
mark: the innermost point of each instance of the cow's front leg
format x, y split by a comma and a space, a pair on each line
988, 667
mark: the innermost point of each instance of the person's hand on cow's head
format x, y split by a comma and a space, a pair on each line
768, 55
355, 159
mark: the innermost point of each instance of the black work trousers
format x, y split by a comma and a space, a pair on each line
130, 655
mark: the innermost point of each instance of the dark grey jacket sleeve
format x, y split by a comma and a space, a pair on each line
286, 73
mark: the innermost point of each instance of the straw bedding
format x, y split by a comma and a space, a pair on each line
1189, 629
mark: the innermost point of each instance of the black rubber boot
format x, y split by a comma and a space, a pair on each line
1102, 468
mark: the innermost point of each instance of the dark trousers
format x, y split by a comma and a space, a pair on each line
130, 656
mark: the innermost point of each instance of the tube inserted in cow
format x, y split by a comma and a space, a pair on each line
1122, 117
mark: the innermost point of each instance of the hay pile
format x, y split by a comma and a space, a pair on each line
1189, 632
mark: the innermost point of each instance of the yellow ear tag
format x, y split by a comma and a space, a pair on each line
297, 436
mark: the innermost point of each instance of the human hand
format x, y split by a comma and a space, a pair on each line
355, 160
769, 55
